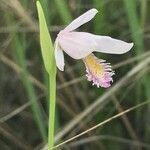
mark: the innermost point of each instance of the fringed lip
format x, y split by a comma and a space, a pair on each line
98, 71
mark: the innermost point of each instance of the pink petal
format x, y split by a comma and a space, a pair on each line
59, 57
106, 44
86, 17
80, 44
76, 45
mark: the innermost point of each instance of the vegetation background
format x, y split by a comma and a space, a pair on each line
24, 82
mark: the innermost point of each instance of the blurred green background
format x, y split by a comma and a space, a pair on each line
24, 81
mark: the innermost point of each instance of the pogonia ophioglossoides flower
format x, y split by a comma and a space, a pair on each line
80, 45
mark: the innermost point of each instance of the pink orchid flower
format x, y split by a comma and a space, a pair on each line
80, 45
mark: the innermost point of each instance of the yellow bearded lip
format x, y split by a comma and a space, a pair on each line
98, 71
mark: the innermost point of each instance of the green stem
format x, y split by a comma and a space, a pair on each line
52, 82
47, 50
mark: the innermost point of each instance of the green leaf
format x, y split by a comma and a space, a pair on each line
45, 41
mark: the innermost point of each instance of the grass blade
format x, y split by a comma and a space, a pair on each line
29, 88
63, 11
134, 23
99, 22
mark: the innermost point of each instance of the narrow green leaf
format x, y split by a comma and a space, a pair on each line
138, 37
50, 65
35, 106
99, 22
63, 11
45, 41
134, 23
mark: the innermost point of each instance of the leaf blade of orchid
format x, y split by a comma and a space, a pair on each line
45, 41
